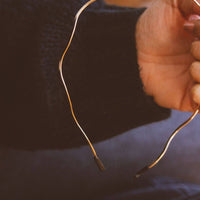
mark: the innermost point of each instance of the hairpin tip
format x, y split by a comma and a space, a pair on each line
99, 164
142, 171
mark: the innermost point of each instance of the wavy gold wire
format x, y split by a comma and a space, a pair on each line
143, 170
196, 2
97, 160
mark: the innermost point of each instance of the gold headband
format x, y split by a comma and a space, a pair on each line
96, 158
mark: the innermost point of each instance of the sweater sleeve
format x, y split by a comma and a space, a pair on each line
100, 69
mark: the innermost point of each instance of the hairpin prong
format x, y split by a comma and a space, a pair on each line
97, 160
142, 171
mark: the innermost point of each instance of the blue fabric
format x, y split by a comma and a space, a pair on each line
161, 189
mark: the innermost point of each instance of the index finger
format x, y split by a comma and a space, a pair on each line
188, 7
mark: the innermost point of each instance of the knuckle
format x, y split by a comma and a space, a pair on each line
194, 67
195, 49
196, 93
197, 28
195, 71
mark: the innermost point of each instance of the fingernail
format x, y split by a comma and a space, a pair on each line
193, 18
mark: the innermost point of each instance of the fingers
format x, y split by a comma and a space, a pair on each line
196, 93
195, 47
188, 7
195, 66
196, 30
195, 50
195, 72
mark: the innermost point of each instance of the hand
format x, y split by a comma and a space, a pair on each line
167, 65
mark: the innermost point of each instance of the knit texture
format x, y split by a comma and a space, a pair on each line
100, 69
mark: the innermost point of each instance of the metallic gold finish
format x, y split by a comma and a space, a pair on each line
196, 2
98, 161
172, 136
138, 174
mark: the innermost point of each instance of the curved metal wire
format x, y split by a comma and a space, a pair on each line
196, 2
97, 160
143, 170
138, 174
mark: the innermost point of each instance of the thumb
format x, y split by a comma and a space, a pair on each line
189, 7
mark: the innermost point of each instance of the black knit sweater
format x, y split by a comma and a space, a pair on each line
101, 72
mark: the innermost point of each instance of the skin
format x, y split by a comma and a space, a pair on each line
129, 3
169, 53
